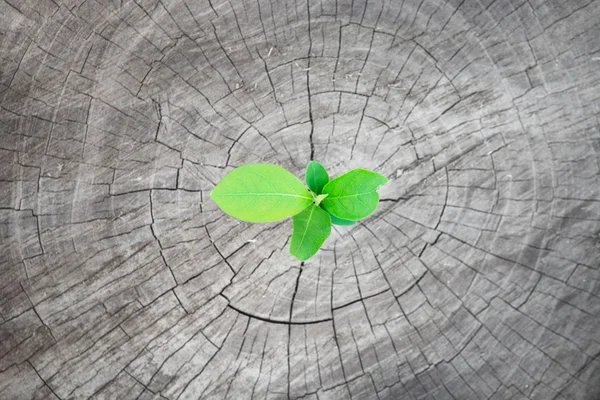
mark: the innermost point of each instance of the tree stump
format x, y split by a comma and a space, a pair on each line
477, 277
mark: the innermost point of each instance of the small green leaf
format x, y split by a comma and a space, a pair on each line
353, 196
338, 221
261, 193
320, 198
316, 176
311, 228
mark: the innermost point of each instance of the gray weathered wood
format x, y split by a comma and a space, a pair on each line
477, 278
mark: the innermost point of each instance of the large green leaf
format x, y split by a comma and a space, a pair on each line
353, 196
338, 221
261, 193
316, 176
311, 228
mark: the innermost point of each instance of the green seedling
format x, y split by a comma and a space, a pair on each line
267, 193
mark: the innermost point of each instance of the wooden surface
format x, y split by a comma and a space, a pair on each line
477, 277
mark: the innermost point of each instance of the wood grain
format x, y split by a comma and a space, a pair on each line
478, 277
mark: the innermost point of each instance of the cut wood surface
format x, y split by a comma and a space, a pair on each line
478, 277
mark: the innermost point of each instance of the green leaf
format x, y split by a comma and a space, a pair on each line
353, 196
261, 193
311, 228
320, 198
338, 221
316, 176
